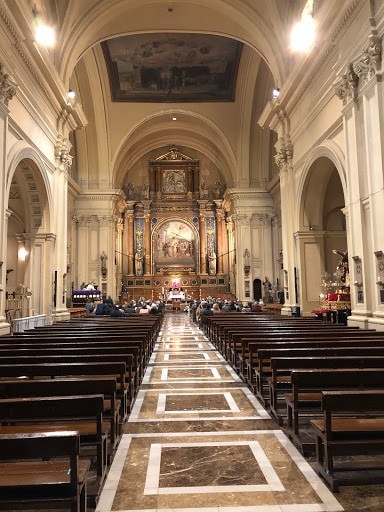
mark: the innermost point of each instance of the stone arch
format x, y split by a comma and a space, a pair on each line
29, 228
320, 221
157, 131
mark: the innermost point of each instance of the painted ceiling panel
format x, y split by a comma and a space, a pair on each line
172, 67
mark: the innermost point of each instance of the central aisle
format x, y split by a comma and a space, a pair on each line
197, 439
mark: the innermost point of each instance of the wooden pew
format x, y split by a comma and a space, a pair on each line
304, 400
79, 358
261, 353
106, 386
280, 381
83, 414
90, 370
246, 344
359, 431
42, 470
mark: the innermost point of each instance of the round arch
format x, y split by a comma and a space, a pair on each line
321, 163
231, 19
157, 131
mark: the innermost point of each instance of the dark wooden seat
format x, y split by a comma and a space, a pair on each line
42, 470
304, 401
284, 361
106, 386
360, 431
80, 413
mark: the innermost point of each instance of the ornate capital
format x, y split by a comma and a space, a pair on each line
7, 87
62, 149
284, 155
346, 87
370, 61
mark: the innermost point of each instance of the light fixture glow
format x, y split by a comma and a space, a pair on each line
45, 35
303, 34
174, 118
71, 94
275, 93
22, 253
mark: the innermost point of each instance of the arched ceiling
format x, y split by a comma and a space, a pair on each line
117, 50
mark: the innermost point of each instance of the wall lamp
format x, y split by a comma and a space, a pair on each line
275, 93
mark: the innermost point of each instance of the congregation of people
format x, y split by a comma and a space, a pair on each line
111, 308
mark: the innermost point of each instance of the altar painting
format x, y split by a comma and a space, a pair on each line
175, 244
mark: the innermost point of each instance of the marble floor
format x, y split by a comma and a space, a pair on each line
198, 440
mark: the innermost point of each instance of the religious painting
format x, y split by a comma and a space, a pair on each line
174, 245
173, 182
172, 67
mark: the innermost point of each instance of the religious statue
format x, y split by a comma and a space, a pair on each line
103, 258
212, 261
342, 269
217, 190
267, 288
130, 191
203, 190
139, 263
246, 257
145, 191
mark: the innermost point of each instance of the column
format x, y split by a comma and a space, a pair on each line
147, 244
7, 92
60, 192
129, 238
203, 240
220, 243
231, 255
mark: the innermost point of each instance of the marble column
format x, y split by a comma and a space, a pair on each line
220, 242
203, 238
129, 238
147, 244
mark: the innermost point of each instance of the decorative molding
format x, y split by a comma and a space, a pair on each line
346, 87
18, 47
7, 87
370, 62
62, 149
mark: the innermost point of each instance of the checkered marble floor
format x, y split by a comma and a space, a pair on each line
198, 440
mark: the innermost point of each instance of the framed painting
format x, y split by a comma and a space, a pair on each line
173, 181
172, 67
175, 245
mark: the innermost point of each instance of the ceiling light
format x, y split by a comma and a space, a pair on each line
45, 35
71, 94
275, 93
174, 118
303, 33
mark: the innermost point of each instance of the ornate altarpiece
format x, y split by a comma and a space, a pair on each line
174, 229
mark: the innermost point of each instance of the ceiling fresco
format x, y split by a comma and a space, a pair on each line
172, 67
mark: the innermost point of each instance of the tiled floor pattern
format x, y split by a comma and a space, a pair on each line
198, 440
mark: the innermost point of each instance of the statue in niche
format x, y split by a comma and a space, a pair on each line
203, 190
145, 191
246, 257
130, 191
139, 263
217, 190
211, 261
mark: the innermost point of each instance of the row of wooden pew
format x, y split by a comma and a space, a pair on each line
65, 392
301, 370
